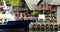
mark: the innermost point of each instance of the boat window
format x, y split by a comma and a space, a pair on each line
5, 19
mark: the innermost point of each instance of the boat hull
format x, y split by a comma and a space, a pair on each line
16, 24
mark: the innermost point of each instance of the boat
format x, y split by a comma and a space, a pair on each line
8, 21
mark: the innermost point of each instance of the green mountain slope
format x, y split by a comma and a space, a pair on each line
13, 2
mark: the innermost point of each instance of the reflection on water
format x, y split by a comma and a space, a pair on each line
17, 30
42, 31
9, 30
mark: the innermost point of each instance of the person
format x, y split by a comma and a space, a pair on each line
21, 16
28, 15
34, 19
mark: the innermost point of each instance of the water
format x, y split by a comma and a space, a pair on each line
17, 30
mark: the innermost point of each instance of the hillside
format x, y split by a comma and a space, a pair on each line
13, 2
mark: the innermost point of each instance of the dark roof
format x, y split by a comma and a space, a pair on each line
39, 2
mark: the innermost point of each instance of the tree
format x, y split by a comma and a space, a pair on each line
35, 14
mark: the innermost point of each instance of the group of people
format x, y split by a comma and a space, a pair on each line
26, 16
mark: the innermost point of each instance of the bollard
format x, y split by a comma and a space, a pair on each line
42, 27
38, 27
34, 27
51, 26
